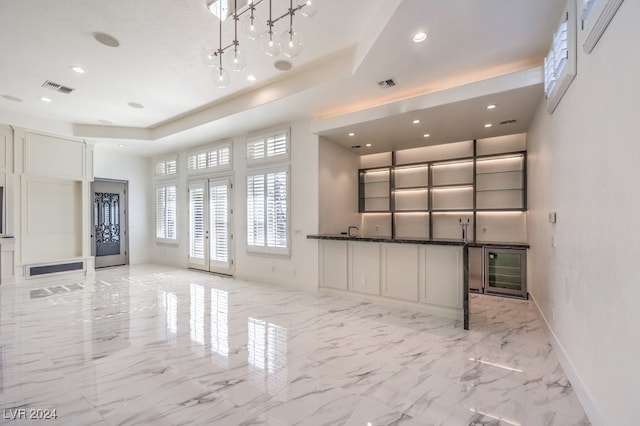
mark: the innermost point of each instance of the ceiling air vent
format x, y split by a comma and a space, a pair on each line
387, 83
57, 87
507, 122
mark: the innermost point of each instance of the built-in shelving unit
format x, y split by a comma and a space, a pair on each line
428, 198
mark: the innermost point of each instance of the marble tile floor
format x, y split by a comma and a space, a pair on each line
154, 345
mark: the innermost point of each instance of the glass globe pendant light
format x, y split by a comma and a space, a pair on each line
221, 78
269, 45
290, 44
308, 7
251, 24
237, 60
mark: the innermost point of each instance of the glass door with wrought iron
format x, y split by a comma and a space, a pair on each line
109, 223
210, 225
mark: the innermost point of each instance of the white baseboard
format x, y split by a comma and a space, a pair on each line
590, 407
281, 282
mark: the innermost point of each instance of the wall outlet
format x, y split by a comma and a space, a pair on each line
377, 229
554, 241
485, 229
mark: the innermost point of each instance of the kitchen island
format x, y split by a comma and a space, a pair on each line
428, 275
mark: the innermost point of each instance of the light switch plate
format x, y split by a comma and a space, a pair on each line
552, 217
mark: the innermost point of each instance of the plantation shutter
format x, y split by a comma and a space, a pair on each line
196, 222
255, 210
160, 212
219, 221
277, 209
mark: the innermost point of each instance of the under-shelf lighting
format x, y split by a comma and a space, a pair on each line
454, 164
410, 168
457, 188
405, 190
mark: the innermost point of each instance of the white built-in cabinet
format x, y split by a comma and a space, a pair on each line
428, 276
364, 267
333, 264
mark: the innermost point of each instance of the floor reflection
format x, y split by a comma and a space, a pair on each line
267, 347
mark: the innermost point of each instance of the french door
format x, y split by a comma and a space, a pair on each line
210, 216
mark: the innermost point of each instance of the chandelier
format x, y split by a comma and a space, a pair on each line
287, 42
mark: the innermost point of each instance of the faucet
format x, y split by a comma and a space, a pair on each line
349, 230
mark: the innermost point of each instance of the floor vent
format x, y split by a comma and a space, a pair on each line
57, 87
39, 270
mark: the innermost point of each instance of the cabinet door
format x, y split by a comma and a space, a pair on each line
364, 267
400, 271
443, 276
333, 264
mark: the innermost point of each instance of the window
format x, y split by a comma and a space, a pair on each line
166, 167
596, 15
218, 158
560, 63
166, 213
268, 148
268, 211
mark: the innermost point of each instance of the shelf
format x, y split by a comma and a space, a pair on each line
454, 186
376, 181
497, 190
411, 188
369, 198
469, 211
376, 211
500, 172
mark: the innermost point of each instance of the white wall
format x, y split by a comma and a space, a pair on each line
300, 269
116, 163
584, 164
338, 197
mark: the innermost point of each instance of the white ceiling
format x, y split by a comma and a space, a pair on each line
348, 47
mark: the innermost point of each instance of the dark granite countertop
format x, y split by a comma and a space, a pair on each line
404, 240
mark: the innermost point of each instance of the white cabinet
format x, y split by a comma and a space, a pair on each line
400, 271
333, 264
426, 277
443, 283
364, 267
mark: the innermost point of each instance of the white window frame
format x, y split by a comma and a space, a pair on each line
558, 78
264, 137
162, 163
596, 15
207, 151
163, 238
266, 248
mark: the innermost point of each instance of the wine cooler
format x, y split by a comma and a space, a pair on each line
498, 271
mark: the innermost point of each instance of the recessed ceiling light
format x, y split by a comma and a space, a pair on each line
12, 98
251, 77
135, 105
488, 125
44, 99
426, 135
78, 70
352, 134
121, 145
106, 39
491, 106
416, 121
368, 145
419, 37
